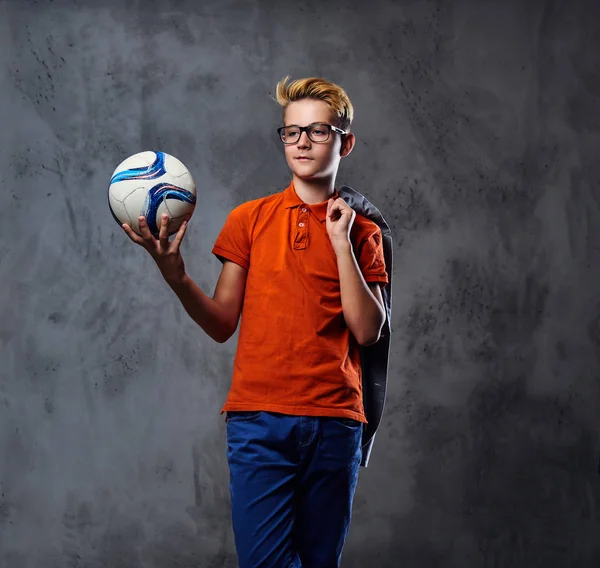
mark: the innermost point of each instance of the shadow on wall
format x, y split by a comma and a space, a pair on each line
522, 472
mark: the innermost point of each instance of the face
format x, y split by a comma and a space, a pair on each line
314, 160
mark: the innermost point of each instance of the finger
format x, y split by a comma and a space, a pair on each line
145, 230
330, 206
335, 212
163, 235
344, 209
340, 204
132, 234
179, 236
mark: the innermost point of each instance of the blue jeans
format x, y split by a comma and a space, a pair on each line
292, 482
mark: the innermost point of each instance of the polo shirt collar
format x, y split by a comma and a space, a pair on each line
291, 199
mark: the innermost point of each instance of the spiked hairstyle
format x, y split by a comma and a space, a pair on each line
317, 89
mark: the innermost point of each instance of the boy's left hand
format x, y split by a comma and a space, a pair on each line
340, 217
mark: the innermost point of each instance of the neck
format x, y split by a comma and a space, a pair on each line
314, 190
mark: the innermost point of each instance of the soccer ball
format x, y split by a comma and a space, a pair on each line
150, 184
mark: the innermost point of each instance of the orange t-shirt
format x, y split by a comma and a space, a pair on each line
295, 354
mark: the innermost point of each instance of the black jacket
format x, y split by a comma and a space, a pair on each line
374, 358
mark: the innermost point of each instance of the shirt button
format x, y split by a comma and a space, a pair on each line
300, 224
304, 209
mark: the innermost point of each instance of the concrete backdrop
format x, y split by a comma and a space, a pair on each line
478, 131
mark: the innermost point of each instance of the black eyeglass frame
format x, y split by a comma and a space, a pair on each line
307, 130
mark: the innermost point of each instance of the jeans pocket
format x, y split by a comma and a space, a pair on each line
350, 422
242, 415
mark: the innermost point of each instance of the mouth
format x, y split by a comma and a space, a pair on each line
303, 159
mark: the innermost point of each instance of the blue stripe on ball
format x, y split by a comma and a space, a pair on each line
155, 197
153, 171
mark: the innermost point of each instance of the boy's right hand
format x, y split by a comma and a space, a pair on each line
164, 252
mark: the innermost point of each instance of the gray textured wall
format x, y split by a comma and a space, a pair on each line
478, 133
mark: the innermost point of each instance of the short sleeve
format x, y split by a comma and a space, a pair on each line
371, 258
233, 242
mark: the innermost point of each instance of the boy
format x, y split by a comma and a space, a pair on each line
308, 272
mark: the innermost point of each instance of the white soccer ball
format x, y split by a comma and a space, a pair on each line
150, 184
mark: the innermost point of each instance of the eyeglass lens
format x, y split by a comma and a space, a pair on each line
316, 132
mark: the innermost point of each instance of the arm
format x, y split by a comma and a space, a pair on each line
217, 316
362, 304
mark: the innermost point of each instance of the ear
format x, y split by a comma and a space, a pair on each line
348, 142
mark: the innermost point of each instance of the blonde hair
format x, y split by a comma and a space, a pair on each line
317, 89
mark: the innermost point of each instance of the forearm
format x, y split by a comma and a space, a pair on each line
205, 311
364, 315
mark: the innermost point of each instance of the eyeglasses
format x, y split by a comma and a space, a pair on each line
317, 132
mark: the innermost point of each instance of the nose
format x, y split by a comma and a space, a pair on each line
303, 141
